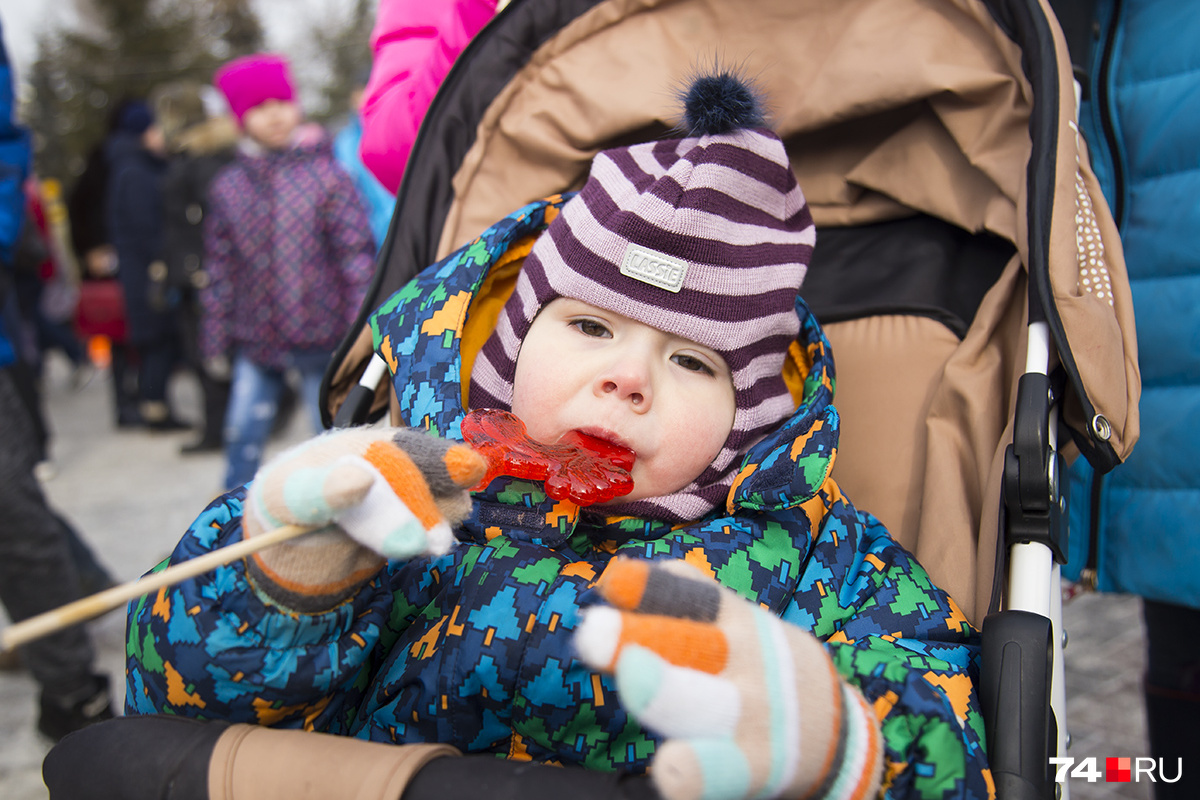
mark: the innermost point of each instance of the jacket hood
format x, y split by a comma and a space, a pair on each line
421, 330
213, 135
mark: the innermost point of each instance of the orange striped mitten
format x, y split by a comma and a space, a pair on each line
373, 493
749, 705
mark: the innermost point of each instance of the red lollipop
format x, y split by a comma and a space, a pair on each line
579, 468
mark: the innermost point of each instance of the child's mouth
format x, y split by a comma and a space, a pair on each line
596, 434
603, 444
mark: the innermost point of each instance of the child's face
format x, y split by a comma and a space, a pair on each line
271, 123
668, 399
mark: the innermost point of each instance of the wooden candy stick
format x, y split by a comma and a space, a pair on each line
94, 605
580, 468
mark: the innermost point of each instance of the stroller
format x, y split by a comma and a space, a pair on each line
967, 271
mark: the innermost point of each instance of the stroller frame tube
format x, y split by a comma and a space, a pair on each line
1031, 572
357, 406
1031, 577
1035, 576
1022, 689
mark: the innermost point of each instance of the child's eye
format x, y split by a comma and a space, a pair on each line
692, 364
590, 327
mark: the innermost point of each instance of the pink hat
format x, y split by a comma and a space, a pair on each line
251, 80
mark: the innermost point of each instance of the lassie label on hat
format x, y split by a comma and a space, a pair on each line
652, 267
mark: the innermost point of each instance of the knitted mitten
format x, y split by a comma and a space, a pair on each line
395, 492
749, 705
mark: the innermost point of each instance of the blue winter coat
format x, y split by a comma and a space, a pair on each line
15, 159
134, 205
1139, 526
377, 200
474, 648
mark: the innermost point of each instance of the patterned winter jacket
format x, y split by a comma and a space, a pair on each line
289, 254
474, 648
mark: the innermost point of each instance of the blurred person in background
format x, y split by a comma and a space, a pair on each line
199, 143
101, 311
379, 201
47, 291
25, 322
289, 255
413, 46
36, 569
137, 165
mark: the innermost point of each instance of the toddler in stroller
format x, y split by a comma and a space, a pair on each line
656, 309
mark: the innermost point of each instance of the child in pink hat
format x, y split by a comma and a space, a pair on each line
290, 256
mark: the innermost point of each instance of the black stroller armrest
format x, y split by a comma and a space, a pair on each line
472, 777
1015, 695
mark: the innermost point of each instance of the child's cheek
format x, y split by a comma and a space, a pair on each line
536, 413
678, 462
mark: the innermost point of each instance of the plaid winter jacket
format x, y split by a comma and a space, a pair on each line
289, 254
474, 648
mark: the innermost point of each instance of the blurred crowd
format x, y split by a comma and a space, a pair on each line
111, 272
213, 231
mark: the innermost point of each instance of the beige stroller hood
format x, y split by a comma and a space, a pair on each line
891, 110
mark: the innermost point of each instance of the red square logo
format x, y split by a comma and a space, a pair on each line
1117, 770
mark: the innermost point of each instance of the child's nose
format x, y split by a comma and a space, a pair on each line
629, 382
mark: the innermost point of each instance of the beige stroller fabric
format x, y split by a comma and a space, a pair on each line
888, 108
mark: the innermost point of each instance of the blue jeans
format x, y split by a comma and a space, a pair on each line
253, 401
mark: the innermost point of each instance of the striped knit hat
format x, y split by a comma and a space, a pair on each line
707, 238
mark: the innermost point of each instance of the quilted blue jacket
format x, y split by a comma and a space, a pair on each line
474, 648
1137, 527
16, 153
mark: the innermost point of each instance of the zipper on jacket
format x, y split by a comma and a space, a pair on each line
1106, 116
1089, 574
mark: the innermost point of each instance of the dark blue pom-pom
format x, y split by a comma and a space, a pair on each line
720, 103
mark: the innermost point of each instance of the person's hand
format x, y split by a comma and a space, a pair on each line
749, 705
395, 491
